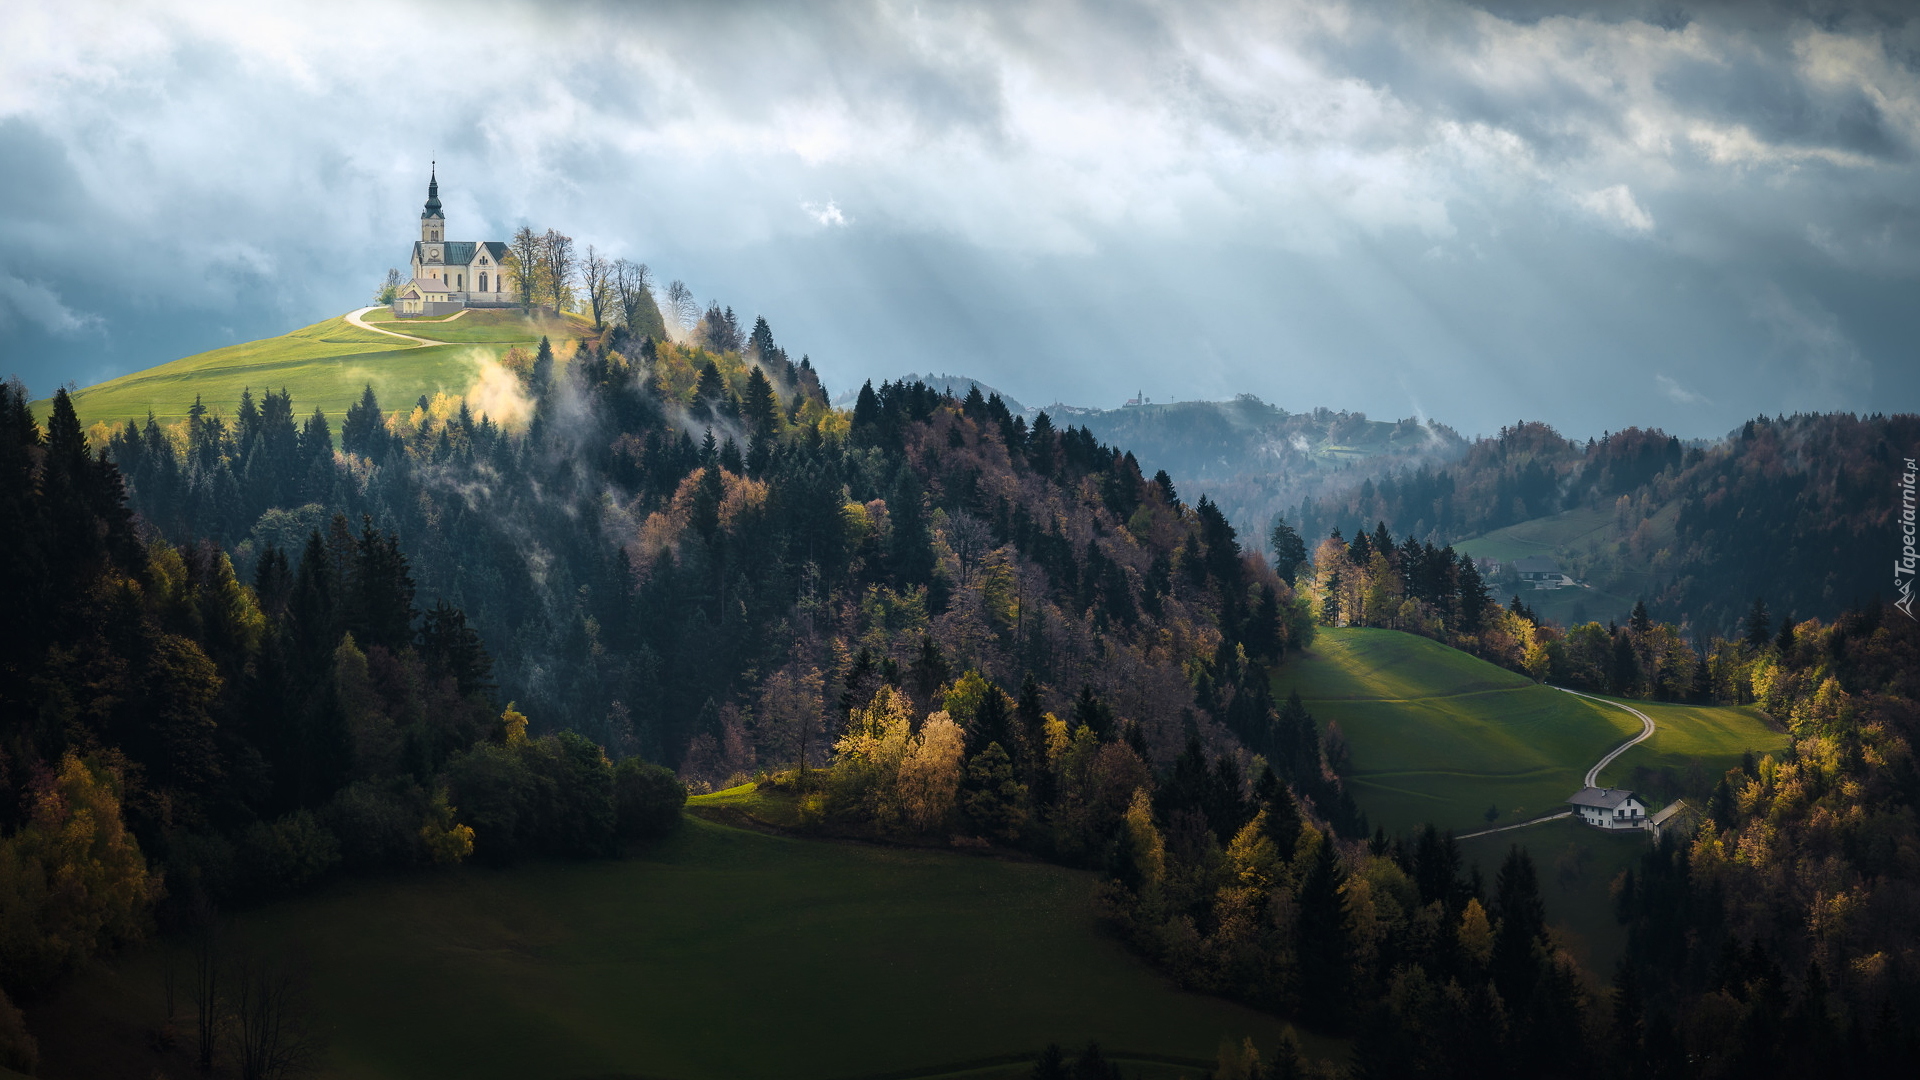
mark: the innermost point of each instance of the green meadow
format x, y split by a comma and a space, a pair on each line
1709, 738
1438, 736
324, 365
1552, 535
720, 953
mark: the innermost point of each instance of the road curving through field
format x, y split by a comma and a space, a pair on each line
1593, 775
1646, 732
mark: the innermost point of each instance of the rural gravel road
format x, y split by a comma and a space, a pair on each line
1646, 731
1593, 774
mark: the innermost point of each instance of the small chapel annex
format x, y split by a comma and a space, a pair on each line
449, 275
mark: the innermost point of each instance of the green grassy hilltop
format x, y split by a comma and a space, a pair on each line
721, 953
325, 365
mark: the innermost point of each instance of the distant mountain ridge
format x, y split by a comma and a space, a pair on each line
1254, 459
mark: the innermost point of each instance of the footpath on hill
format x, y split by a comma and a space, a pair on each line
1593, 774
354, 318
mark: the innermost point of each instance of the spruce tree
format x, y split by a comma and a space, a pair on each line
1321, 938
910, 549
1759, 625
760, 408
1522, 915
1289, 551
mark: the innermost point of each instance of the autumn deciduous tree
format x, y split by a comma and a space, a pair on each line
596, 282
929, 776
523, 261
446, 840
73, 881
558, 265
886, 772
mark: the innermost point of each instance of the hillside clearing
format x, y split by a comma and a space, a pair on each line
1438, 736
1588, 542
720, 953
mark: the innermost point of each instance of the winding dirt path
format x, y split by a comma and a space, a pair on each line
1646, 732
1593, 774
354, 319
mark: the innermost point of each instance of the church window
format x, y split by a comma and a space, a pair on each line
483, 281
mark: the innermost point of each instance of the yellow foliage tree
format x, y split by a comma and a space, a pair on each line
72, 881
1148, 851
928, 779
513, 726
447, 841
962, 700
1255, 862
1476, 933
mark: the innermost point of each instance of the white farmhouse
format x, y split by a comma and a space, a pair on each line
452, 274
1609, 808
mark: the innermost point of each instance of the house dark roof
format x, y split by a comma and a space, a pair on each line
1536, 564
462, 252
1600, 798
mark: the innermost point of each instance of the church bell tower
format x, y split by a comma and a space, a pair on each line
433, 224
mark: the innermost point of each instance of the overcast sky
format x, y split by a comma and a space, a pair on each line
1595, 215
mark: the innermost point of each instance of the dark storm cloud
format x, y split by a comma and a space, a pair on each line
1592, 214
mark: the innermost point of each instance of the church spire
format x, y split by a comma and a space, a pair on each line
433, 193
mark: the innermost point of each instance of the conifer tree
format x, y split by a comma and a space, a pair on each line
910, 549
760, 408
365, 429
1289, 550
1321, 937
1517, 945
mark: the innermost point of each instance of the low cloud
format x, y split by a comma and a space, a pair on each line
825, 214
34, 303
1828, 366
1678, 394
1617, 207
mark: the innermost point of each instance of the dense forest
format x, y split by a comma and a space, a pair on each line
269, 655
1794, 508
261, 655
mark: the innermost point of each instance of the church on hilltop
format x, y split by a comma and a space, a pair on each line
449, 275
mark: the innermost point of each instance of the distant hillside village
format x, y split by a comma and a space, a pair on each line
449, 275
